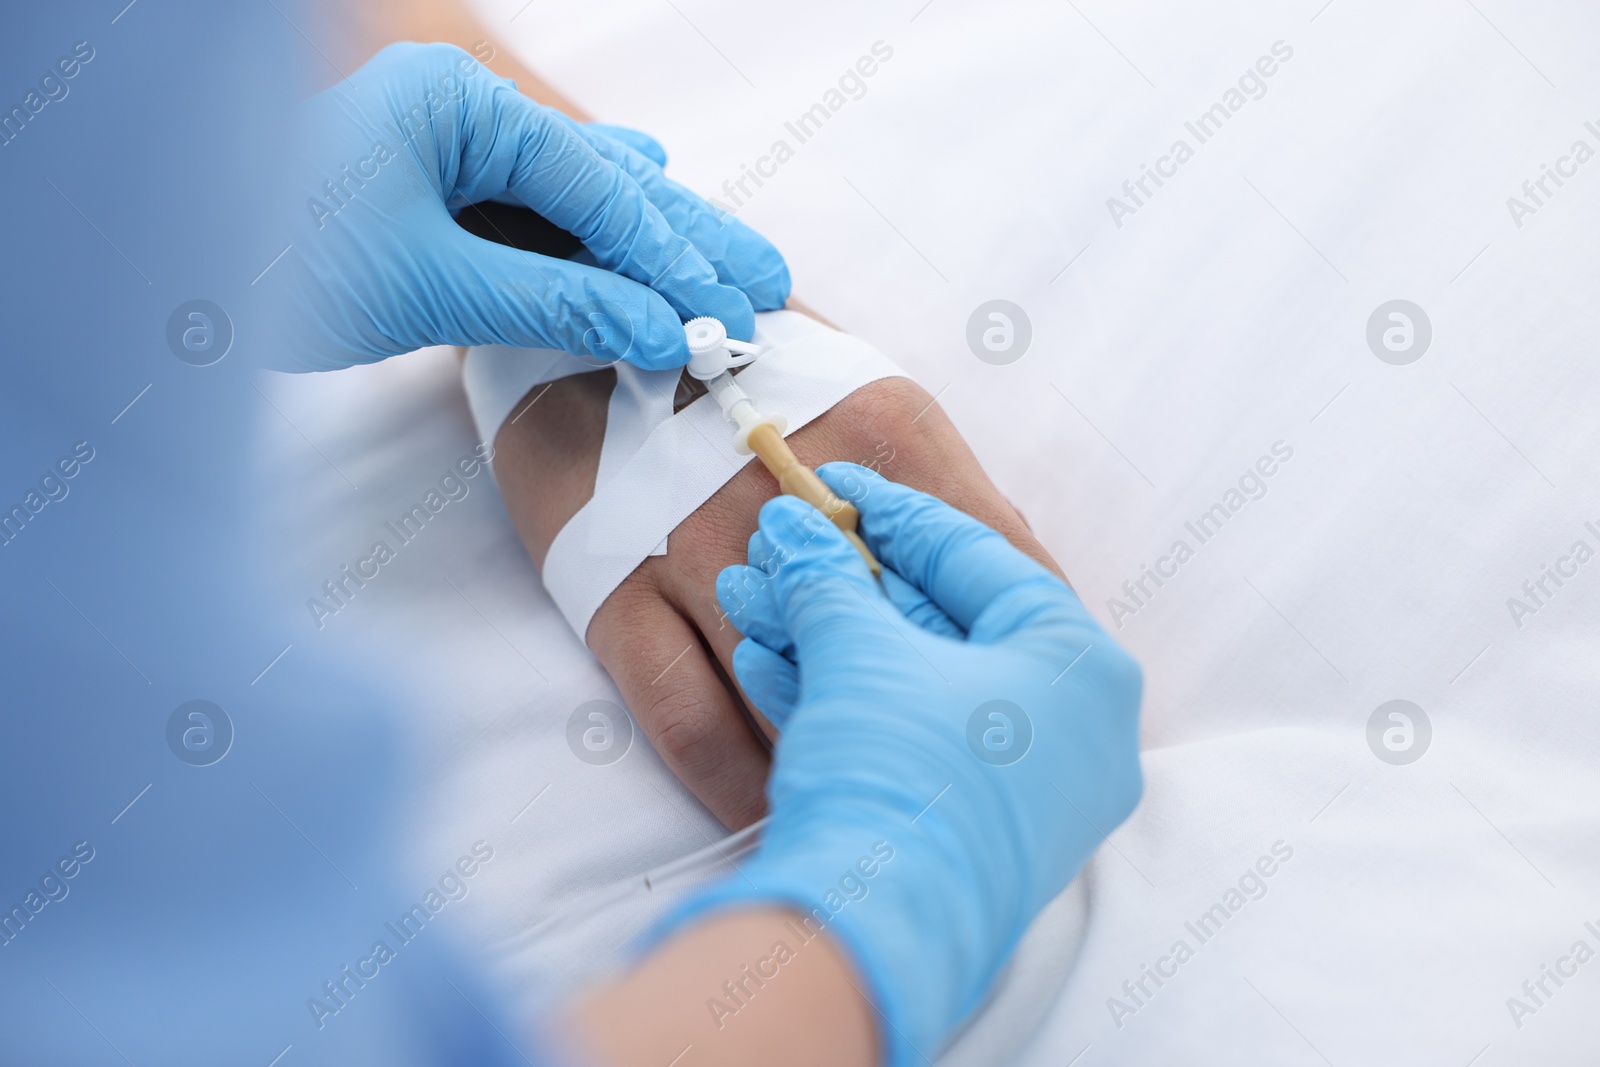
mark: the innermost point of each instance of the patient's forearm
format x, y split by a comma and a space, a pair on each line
738, 988
365, 26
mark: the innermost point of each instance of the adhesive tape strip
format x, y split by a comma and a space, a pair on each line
656, 468
497, 377
806, 369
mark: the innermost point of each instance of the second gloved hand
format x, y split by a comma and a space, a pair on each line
380, 267
955, 743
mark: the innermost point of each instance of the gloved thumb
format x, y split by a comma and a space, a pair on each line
502, 295
985, 584
833, 611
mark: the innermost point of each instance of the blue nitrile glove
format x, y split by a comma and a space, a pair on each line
379, 266
742, 257
952, 749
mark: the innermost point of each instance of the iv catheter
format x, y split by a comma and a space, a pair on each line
713, 355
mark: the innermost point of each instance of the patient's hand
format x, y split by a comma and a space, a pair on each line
661, 634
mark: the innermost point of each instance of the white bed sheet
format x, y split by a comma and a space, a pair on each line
1227, 314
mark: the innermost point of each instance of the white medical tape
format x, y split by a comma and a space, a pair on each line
642, 399
655, 479
497, 377
686, 459
640, 402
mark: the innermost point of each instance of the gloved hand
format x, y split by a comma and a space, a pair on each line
380, 267
954, 745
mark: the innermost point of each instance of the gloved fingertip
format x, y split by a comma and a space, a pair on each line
737, 586
851, 481
775, 294
754, 265
660, 345
766, 286
780, 514
627, 136
839, 467
735, 312
801, 537
770, 680
757, 551
637, 140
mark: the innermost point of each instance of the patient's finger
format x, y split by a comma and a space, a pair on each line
682, 703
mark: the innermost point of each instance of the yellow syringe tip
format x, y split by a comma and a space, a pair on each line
798, 480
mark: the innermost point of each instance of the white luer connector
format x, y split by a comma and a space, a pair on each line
710, 350
712, 355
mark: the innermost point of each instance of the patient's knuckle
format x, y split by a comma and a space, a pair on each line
891, 402
686, 729
637, 593
626, 621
